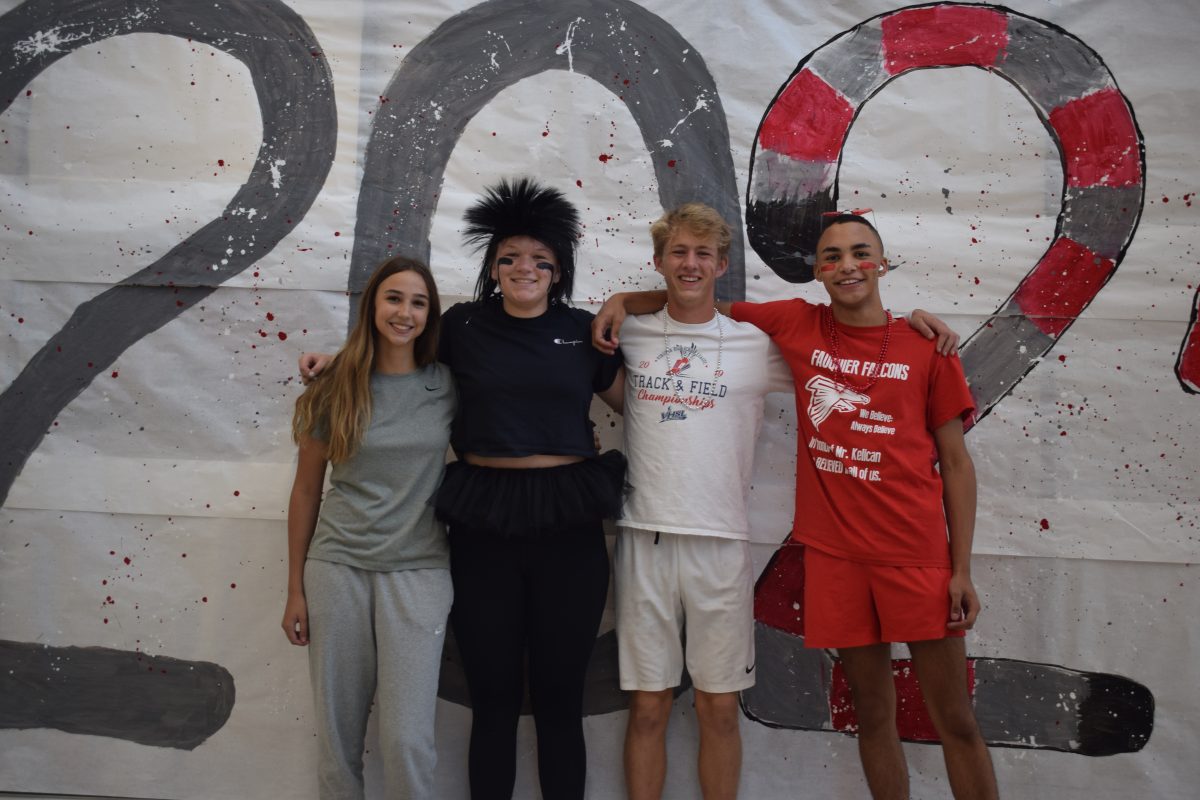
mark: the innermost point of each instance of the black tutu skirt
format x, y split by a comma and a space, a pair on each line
528, 503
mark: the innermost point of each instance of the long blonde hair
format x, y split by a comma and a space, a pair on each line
340, 398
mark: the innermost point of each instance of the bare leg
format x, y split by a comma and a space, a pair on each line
869, 671
720, 763
646, 744
941, 666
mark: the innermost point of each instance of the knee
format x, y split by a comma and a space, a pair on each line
956, 723
649, 712
718, 713
875, 711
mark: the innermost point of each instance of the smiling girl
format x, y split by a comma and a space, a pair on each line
369, 586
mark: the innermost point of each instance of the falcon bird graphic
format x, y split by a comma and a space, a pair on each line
826, 396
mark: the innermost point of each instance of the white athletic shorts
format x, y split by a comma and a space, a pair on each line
668, 581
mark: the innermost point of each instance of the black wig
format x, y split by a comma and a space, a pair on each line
523, 207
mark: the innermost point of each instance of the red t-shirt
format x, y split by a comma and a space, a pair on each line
867, 487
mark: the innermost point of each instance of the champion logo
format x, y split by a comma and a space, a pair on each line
565, 341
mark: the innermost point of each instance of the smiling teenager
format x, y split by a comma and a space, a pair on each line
525, 499
368, 581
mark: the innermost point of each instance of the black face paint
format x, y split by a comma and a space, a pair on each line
546, 265
504, 261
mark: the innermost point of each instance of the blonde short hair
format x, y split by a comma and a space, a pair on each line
699, 220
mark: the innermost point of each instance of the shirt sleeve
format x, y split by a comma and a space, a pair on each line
606, 370
770, 318
949, 395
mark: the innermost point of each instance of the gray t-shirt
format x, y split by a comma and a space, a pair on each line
377, 514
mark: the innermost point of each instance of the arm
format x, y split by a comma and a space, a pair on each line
930, 327
607, 323
958, 498
312, 364
614, 395
303, 507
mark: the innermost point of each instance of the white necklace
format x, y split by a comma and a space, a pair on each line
717, 373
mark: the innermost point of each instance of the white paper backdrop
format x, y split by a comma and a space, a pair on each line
1087, 535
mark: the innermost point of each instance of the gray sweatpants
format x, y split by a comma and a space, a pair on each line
375, 632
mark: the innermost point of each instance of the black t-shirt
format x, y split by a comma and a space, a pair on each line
525, 386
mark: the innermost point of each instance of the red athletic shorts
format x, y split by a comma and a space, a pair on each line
851, 604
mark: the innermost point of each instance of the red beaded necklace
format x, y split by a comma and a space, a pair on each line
832, 335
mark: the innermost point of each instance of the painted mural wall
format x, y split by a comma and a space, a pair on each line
192, 191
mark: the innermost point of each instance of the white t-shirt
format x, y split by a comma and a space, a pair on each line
690, 433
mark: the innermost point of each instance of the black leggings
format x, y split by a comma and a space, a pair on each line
542, 597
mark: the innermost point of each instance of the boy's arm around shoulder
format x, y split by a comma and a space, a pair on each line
958, 499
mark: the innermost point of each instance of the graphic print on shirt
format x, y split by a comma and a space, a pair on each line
686, 382
826, 396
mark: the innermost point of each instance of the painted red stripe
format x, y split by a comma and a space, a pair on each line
912, 718
808, 121
779, 595
1188, 367
943, 36
1061, 285
1099, 140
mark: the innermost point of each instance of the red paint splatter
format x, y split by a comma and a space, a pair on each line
203, 599
1099, 141
282, 336
808, 121
671, 163
943, 37
220, 162
237, 493
605, 158
337, 233
1045, 523
1166, 199
579, 184
115, 373
128, 560
270, 317
545, 133
1062, 359
233, 586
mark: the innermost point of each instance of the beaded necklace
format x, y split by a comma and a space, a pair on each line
834, 346
717, 373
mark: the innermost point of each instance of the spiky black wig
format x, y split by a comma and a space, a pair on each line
524, 207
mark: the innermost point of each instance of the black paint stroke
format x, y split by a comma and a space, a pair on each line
473, 56
152, 700
1048, 66
1018, 704
295, 95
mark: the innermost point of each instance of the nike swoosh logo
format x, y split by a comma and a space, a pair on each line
750, 669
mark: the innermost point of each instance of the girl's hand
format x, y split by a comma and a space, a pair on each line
295, 619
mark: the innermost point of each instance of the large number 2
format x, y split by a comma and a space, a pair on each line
794, 180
